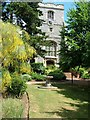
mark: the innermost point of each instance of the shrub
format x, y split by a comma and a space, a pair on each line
6, 80
81, 71
76, 69
57, 75
84, 73
25, 68
17, 86
37, 77
50, 68
26, 77
88, 70
38, 67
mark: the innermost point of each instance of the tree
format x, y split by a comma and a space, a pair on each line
25, 12
27, 16
14, 51
13, 46
75, 44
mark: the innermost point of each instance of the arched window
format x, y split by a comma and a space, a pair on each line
50, 62
50, 15
51, 49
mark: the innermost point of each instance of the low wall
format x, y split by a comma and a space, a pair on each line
68, 76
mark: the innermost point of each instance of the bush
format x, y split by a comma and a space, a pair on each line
85, 76
88, 70
81, 71
76, 69
25, 68
6, 80
17, 86
26, 77
38, 67
50, 68
84, 73
37, 77
57, 75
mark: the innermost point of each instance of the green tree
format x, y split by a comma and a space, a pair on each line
75, 43
27, 13
13, 46
14, 51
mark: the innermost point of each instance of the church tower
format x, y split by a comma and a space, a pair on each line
53, 16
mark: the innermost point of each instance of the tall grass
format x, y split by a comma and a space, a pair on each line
12, 108
0, 108
0, 80
0, 96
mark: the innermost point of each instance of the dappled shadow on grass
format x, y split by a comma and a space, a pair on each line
77, 93
81, 113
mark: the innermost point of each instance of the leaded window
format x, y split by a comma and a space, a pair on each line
51, 49
51, 15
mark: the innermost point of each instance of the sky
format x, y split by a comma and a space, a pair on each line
68, 4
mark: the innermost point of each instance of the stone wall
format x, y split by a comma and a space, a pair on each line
56, 23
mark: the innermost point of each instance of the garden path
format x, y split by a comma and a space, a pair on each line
76, 81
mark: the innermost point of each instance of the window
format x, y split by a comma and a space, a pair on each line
51, 29
51, 50
51, 15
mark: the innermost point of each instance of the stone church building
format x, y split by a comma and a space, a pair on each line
53, 16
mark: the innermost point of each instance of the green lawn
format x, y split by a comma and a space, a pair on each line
66, 102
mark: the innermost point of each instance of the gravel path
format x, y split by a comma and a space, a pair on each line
25, 100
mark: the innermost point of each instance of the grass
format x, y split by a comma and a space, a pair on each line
0, 109
12, 108
0, 80
0, 97
0, 75
66, 102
